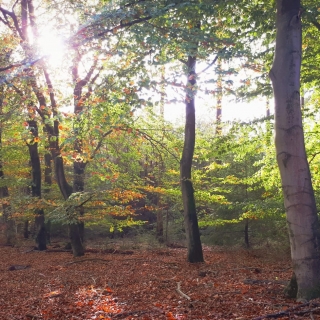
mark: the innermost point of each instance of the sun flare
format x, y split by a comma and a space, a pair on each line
52, 46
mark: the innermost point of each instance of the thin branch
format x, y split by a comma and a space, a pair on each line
14, 4
14, 19
214, 60
151, 140
124, 25
181, 293
313, 156
11, 66
100, 144
316, 24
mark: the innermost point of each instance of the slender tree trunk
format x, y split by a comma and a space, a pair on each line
47, 188
161, 166
297, 189
40, 236
246, 233
190, 215
219, 100
4, 192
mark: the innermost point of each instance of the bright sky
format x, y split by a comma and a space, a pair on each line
244, 111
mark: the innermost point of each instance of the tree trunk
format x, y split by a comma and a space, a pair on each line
218, 131
291, 155
160, 224
47, 188
246, 233
26, 229
190, 215
4, 191
161, 167
40, 235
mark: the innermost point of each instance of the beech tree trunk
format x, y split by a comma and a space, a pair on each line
10, 237
40, 235
161, 167
297, 188
190, 215
218, 130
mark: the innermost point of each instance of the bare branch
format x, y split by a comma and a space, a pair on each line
14, 19
100, 144
214, 60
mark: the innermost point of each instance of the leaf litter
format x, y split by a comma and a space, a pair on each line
147, 284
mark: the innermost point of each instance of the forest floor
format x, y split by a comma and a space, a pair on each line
147, 284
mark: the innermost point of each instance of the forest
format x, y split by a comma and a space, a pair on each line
159, 159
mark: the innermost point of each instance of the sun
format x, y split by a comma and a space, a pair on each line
51, 46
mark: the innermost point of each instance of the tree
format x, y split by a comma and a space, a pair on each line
297, 188
190, 214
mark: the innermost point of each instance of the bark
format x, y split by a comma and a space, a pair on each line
190, 215
78, 186
246, 234
40, 234
4, 192
219, 101
77, 231
161, 168
26, 229
160, 225
297, 188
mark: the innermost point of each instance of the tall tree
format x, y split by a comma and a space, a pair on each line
4, 190
297, 188
190, 214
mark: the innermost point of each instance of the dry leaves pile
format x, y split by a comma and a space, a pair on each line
150, 284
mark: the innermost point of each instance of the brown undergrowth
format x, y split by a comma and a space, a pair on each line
144, 284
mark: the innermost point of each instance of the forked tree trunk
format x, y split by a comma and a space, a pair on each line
291, 155
190, 215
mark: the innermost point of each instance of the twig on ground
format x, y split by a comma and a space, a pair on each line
84, 260
181, 293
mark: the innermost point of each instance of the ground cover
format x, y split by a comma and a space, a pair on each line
147, 284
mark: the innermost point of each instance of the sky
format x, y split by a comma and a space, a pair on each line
231, 111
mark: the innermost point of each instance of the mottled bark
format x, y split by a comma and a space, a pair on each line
190, 215
297, 188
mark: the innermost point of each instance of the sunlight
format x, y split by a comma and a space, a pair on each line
52, 46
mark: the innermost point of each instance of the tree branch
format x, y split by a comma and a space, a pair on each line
316, 24
214, 61
100, 144
14, 19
